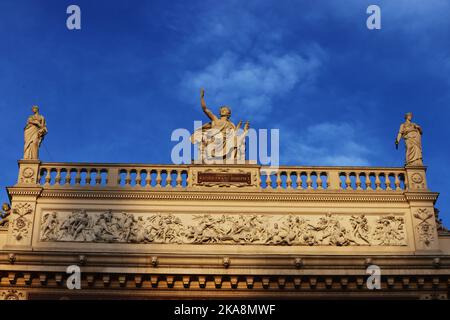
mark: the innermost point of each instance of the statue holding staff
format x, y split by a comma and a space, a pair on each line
34, 133
412, 134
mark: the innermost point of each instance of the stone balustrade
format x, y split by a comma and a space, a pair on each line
334, 178
289, 178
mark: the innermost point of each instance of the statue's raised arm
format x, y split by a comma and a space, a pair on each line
204, 107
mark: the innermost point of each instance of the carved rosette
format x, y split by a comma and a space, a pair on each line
28, 176
416, 178
21, 223
12, 295
425, 227
242, 229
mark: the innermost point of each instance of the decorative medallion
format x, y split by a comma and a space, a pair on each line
27, 175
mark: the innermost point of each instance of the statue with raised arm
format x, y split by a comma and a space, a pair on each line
219, 139
412, 134
34, 133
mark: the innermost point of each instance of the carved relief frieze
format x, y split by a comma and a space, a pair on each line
244, 229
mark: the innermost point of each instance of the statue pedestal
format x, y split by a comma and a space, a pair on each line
416, 178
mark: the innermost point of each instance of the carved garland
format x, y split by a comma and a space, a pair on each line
289, 230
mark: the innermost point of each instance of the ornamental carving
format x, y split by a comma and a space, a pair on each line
21, 223
27, 175
425, 228
12, 295
244, 229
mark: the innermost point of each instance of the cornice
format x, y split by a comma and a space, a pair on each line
218, 195
422, 196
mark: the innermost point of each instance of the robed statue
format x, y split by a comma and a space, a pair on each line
220, 139
412, 134
34, 133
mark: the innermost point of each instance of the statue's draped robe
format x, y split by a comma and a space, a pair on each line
411, 133
33, 135
217, 141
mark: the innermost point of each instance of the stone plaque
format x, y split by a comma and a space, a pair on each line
214, 177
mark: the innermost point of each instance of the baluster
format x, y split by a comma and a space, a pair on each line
319, 181
377, 181
288, 180
40, 175
58, 176
278, 180
348, 182
138, 177
128, 177
98, 177
397, 181
169, 178
78, 177
358, 181
388, 182
298, 180
158, 178
368, 182
148, 178
179, 179
68, 176
48, 177
88, 176
308, 180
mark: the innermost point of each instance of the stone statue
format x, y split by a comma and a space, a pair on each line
4, 215
412, 134
34, 133
220, 139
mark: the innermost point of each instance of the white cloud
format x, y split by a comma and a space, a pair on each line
249, 86
329, 144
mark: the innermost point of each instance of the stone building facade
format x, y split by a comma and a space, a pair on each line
144, 231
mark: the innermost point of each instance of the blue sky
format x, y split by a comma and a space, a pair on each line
114, 91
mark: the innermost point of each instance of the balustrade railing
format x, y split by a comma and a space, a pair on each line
289, 178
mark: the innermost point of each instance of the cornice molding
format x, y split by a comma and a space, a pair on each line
214, 195
422, 196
